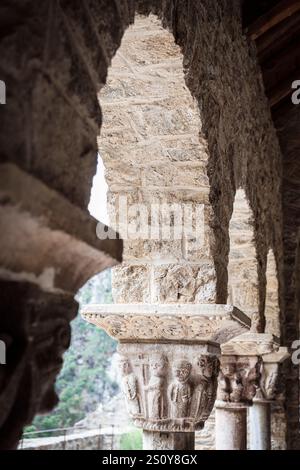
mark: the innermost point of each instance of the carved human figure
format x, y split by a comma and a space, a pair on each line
205, 393
269, 386
130, 387
238, 380
224, 388
155, 388
230, 383
250, 376
180, 391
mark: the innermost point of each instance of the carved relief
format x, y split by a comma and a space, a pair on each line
175, 327
156, 393
206, 388
269, 385
165, 392
130, 387
180, 390
239, 379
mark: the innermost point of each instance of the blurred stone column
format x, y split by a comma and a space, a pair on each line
239, 380
270, 390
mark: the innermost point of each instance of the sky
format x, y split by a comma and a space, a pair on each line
98, 201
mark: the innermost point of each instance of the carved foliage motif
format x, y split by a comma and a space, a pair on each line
169, 396
239, 379
144, 327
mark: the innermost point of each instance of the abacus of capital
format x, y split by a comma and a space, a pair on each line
169, 358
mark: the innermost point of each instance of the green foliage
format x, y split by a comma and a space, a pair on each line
132, 440
83, 381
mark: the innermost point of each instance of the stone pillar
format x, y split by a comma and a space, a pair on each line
260, 425
231, 426
269, 390
169, 364
240, 377
168, 441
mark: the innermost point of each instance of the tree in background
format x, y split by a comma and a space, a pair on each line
83, 382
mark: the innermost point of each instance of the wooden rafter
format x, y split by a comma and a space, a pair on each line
276, 15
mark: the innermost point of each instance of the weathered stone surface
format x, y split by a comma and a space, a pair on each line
168, 322
169, 362
136, 289
104, 439
184, 283
48, 233
35, 325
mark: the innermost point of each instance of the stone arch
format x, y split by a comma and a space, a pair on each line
156, 158
242, 267
272, 307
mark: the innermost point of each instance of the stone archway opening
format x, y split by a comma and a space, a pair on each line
242, 266
272, 308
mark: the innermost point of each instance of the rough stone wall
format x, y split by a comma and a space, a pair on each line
243, 152
223, 75
289, 139
88, 440
153, 155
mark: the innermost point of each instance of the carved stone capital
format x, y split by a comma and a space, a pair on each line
169, 359
170, 388
249, 368
238, 379
270, 386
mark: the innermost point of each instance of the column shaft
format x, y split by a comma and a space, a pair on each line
168, 441
231, 428
260, 426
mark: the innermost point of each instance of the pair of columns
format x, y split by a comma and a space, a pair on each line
249, 381
177, 361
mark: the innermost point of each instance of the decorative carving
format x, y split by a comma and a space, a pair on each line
250, 344
270, 387
156, 394
180, 391
239, 379
169, 359
130, 387
206, 387
174, 323
249, 368
164, 392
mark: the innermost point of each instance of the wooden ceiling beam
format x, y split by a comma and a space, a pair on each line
275, 16
278, 37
